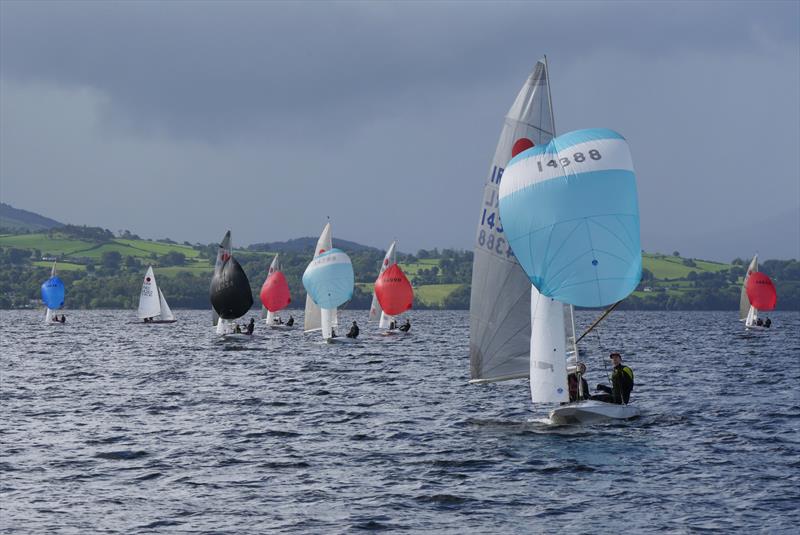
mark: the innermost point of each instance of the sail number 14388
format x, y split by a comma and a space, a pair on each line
578, 157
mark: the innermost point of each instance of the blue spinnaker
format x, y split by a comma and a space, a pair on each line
329, 279
570, 211
53, 293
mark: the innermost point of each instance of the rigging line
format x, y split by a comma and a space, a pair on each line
598, 320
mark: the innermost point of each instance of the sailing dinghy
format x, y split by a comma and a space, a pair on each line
570, 211
229, 293
53, 294
762, 297
396, 292
153, 307
504, 305
329, 282
312, 319
275, 295
763, 291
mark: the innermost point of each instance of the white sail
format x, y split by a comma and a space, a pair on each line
149, 306
569, 331
166, 313
752, 316
327, 316
744, 301
313, 321
375, 309
223, 253
500, 299
548, 359
48, 315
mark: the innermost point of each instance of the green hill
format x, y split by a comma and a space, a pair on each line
103, 270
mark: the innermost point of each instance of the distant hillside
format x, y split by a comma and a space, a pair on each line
16, 219
304, 245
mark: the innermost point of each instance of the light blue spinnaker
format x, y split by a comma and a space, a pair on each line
53, 293
329, 279
570, 211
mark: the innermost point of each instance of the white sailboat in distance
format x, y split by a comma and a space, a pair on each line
153, 307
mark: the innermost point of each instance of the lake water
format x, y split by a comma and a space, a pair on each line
109, 426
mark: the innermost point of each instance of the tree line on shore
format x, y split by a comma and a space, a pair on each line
113, 280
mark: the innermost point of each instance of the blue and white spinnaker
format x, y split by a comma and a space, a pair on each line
329, 281
570, 212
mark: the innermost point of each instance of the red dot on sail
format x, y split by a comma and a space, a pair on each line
520, 145
321, 251
385, 261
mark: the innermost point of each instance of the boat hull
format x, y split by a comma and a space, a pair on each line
591, 411
280, 327
341, 340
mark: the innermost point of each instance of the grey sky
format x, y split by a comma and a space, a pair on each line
185, 119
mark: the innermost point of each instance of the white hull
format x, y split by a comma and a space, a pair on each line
591, 411
341, 340
237, 336
280, 327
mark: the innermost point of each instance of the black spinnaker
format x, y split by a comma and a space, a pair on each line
230, 291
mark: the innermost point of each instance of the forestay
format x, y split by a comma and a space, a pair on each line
500, 323
571, 214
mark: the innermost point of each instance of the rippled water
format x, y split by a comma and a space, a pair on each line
120, 427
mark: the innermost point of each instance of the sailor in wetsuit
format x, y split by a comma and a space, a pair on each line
354, 330
621, 383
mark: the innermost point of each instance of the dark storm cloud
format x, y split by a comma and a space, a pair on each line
384, 115
219, 69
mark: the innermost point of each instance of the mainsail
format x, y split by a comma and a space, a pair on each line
500, 321
149, 300
744, 302
375, 310
312, 317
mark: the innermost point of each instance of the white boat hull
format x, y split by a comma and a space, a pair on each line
280, 327
591, 411
341, 340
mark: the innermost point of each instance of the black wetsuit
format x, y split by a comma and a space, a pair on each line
621, 385
354, 330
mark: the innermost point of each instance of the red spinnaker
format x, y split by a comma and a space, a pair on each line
393, 291
275, 292
761, 292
